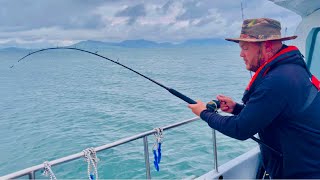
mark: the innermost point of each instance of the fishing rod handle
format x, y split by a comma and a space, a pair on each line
213, 105
181, 96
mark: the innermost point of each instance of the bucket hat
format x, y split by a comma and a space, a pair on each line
259, 30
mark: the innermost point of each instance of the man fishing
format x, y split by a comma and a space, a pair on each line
281, 103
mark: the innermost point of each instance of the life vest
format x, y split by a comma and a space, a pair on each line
290, 54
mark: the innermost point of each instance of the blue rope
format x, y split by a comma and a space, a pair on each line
157, 157
159, 153
155, 162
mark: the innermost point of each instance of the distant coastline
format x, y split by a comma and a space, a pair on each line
139, 43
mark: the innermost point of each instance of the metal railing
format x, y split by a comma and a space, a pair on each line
32, 170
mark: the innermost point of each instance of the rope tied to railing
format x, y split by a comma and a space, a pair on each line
92, 161
157, 147
48, 171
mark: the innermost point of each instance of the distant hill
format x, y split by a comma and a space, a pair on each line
91, 43
205, 42
141, 43
15, 44
14, 49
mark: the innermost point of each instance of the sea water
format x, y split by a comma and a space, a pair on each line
60, 102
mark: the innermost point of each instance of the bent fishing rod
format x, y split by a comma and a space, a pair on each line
214, 105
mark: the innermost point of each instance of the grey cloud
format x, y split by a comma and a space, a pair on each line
32, 14
199, 9
201, 13
203, 22
73, 20
193, 9
132, 12
165, 8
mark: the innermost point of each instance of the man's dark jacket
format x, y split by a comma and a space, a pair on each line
282, 105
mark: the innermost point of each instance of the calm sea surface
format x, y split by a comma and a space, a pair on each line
57, 103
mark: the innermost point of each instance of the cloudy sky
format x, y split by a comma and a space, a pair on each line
64, 22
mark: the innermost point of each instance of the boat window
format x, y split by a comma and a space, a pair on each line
313, 51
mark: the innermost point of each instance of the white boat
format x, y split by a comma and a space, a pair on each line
245, 166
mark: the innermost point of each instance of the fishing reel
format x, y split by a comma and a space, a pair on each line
213, 105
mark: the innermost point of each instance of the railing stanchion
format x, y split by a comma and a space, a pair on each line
32, 175
215, 151
146, 156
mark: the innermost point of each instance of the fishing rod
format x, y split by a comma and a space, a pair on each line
213, 105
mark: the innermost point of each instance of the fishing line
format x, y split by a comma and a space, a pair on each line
171, 90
